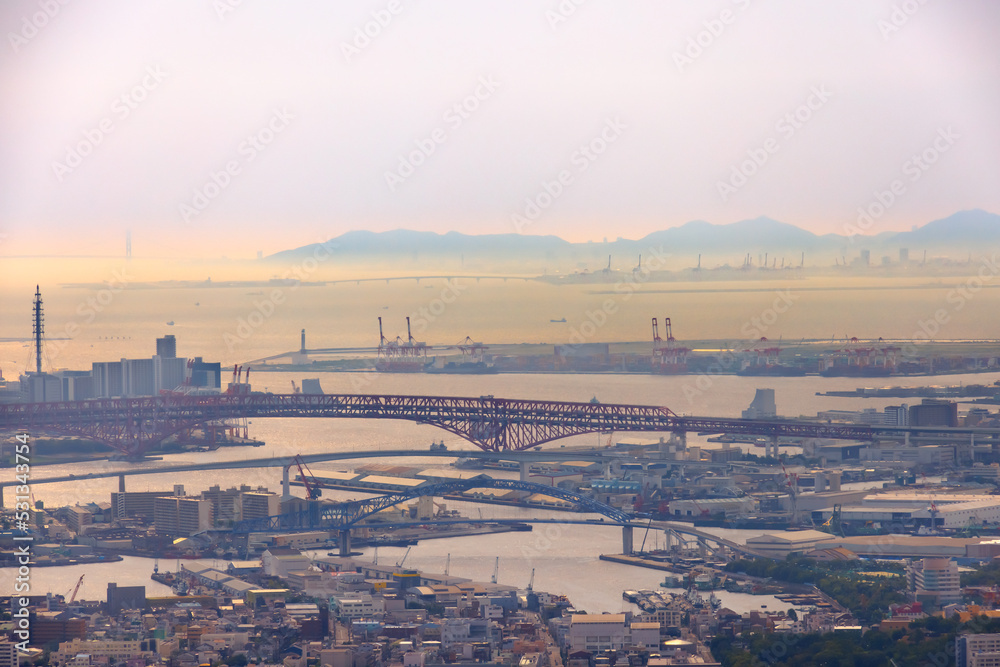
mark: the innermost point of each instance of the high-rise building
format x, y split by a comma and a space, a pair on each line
260, 504
107, 378
236, 504
41, 388
135, 503
934, 412
125, 597
204, 374
169, 372
934, 581
138, 377
8, 654
977, 650
166, 347
181, 515
78, 518
896, 415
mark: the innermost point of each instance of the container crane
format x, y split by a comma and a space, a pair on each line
403, 559
531, 582
496, 570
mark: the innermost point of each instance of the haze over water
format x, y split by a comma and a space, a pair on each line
237, 324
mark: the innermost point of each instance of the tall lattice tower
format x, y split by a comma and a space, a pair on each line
38, 328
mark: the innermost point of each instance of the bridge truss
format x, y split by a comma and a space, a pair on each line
134, 425
342, 516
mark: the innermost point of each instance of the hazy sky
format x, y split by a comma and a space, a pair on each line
223, 127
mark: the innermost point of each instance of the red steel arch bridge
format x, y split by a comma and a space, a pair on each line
133, 425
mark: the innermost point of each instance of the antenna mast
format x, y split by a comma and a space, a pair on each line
38, 328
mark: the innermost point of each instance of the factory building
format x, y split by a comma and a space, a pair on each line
953, 515
785, 543
713, 506
940, 510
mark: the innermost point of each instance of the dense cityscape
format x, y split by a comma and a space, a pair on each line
867, 526
570, 333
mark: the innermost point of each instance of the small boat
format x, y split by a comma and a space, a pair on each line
558, 321
170, 323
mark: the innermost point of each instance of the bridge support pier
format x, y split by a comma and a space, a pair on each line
286, 486
668, 540
626, 540
702, 547
121, 483
345, 543
772, 449
525, 471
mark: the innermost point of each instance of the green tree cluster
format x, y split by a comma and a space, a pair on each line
926, 643
865, 595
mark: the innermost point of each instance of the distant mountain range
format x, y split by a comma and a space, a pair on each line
972, 231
